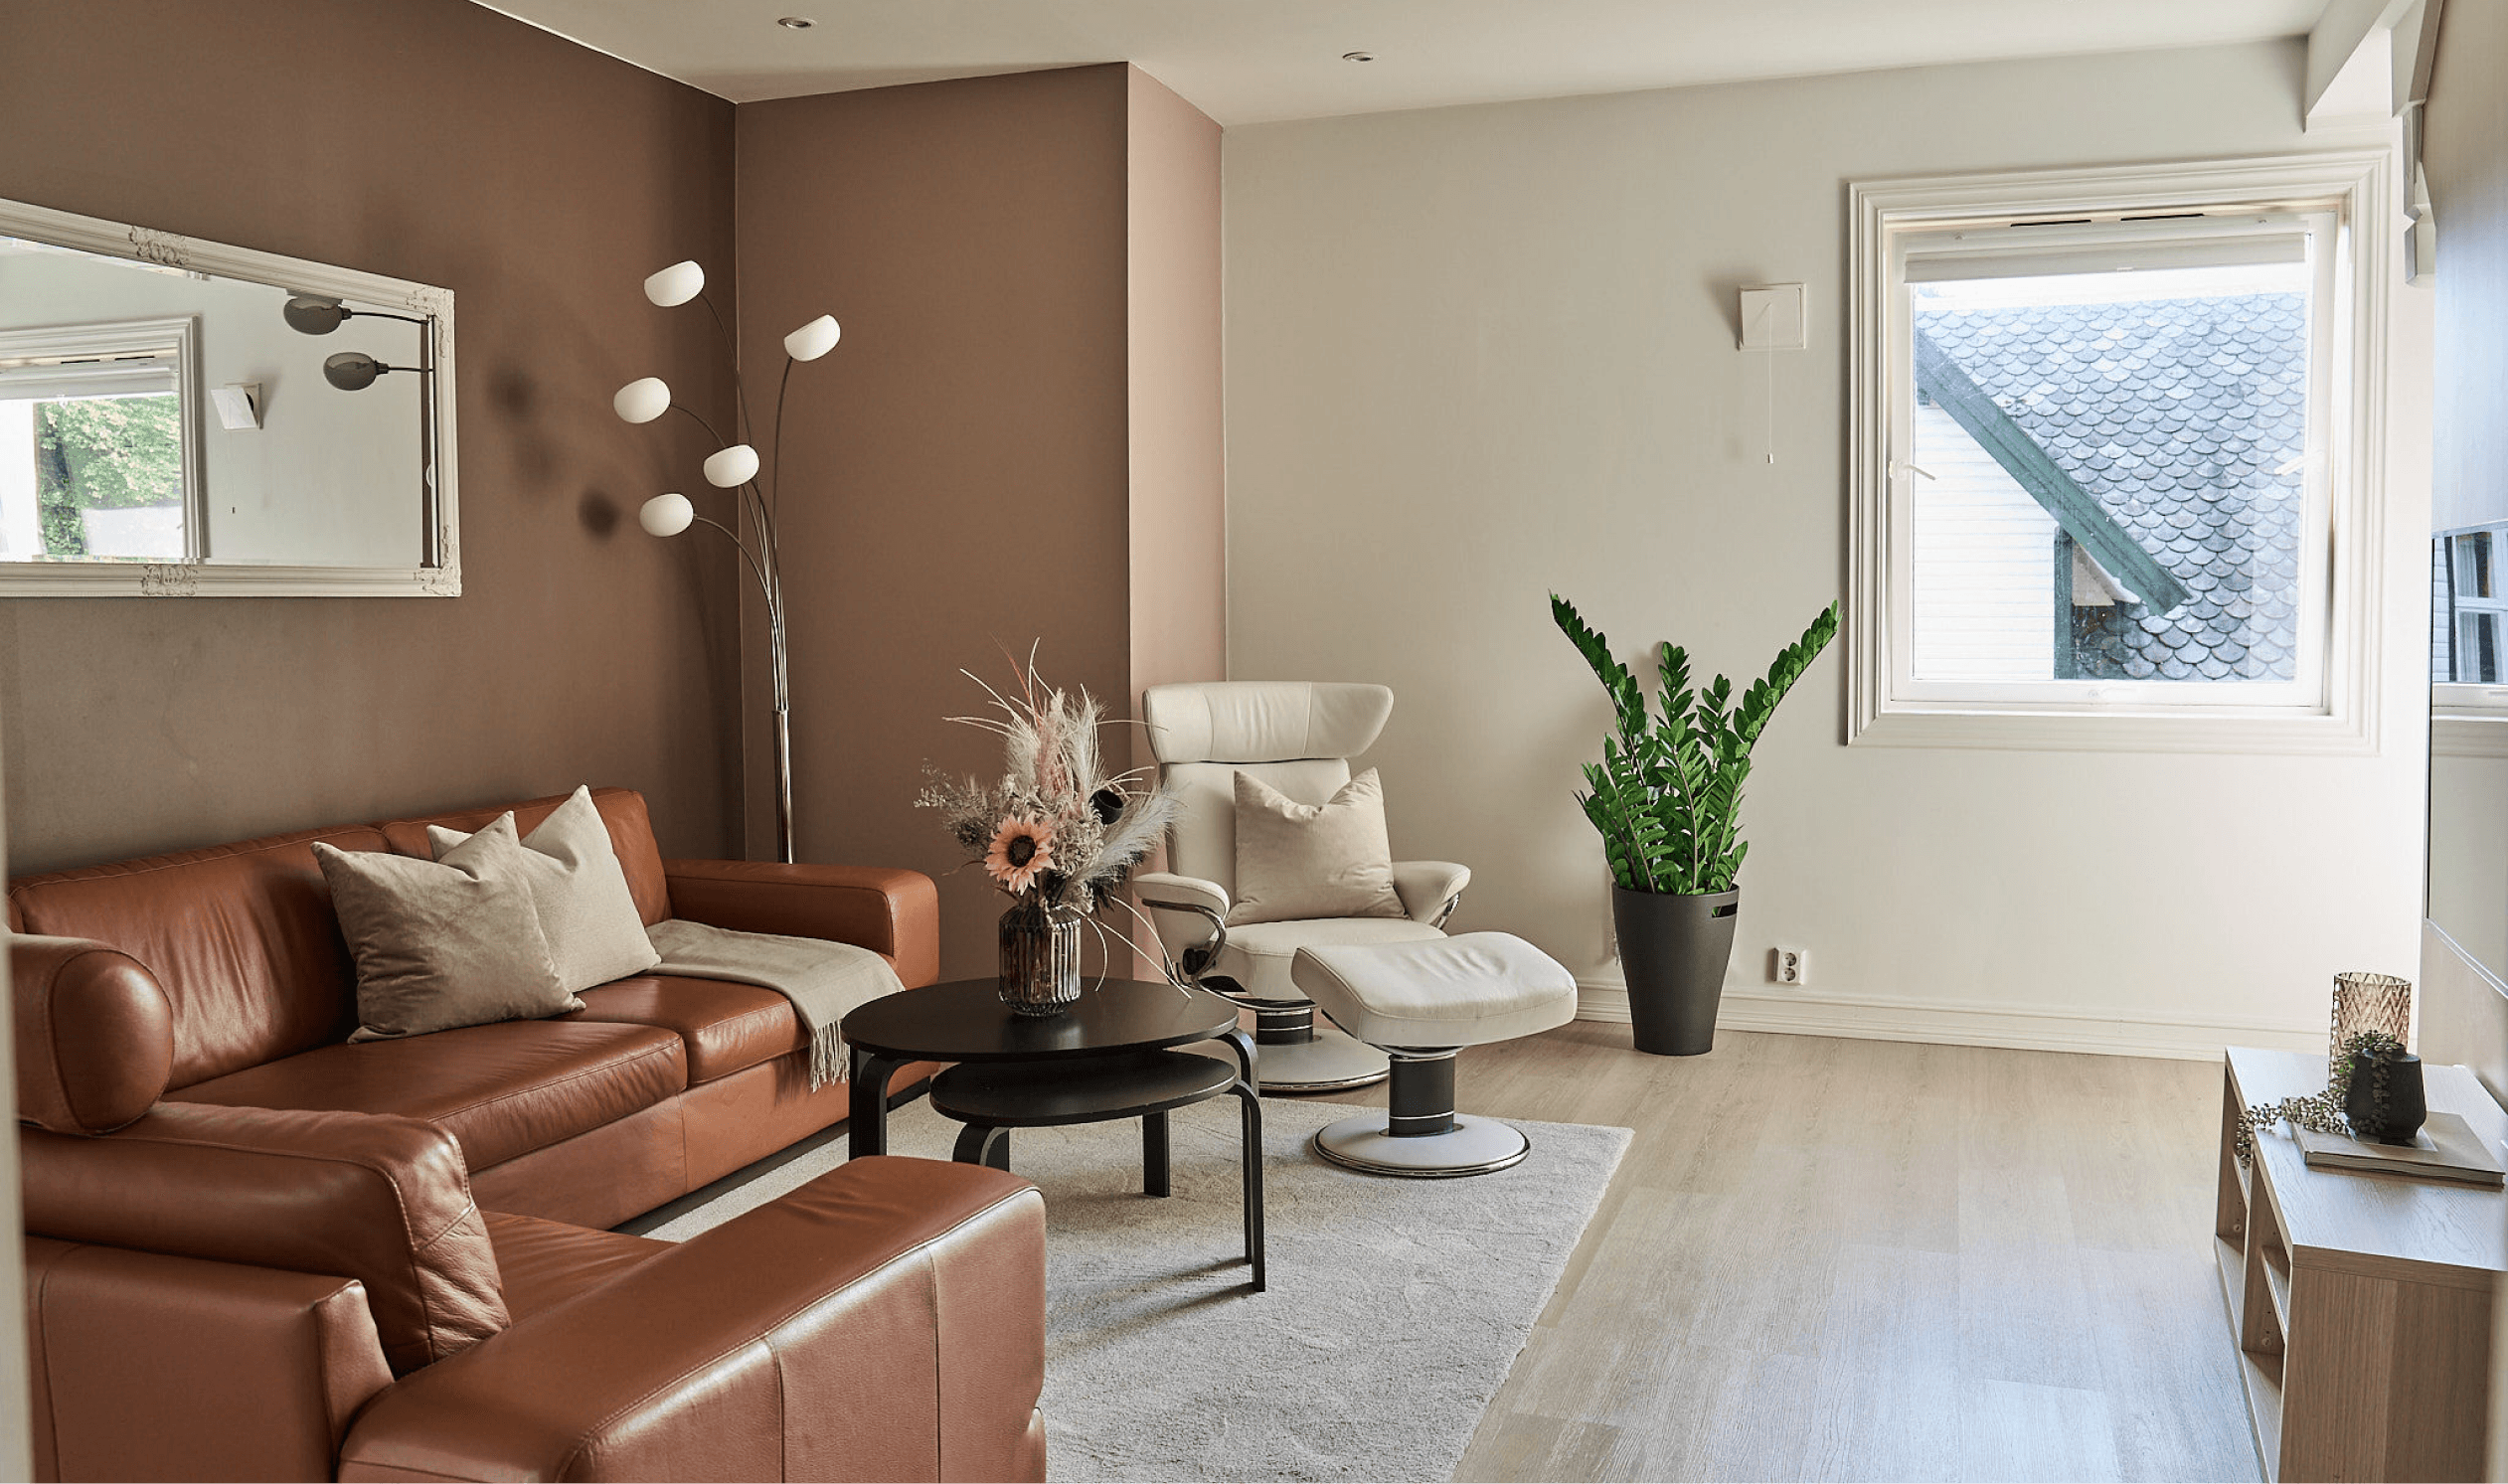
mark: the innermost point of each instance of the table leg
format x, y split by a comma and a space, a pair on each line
983, 1146
1250, 1132
867, 1105
1154, 1181
1243, 1045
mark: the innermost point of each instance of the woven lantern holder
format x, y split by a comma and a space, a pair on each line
2370, 1002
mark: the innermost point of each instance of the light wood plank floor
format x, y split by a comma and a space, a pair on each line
1871, 1259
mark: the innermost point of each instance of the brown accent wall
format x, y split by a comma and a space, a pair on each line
955, 471
433, 140
1013, 430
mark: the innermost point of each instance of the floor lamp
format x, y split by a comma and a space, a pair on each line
733, 466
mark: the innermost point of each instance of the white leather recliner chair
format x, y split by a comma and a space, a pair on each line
1298, 736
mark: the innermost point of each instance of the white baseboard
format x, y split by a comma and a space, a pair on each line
1602, 997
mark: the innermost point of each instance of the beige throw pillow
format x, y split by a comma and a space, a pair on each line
595, 934
443, 943
1296, 860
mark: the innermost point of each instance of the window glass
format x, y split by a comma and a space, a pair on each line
2111, 471
92, 458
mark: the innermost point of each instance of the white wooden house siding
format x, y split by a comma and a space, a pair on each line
1984, 553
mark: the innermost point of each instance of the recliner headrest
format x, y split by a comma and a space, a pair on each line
1263, 720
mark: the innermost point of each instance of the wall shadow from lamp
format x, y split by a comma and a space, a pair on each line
734, 467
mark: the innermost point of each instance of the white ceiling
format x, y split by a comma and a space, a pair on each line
1255, 61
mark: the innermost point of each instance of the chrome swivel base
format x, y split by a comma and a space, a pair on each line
1419, 1134
1473, 1146
1329, 1062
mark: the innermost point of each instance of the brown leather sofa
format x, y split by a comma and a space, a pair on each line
255, 1251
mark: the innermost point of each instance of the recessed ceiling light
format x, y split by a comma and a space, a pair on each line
796, 23
1358, 56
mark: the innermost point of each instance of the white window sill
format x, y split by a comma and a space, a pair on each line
1918, 725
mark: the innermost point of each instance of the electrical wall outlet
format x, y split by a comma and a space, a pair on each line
1789, 966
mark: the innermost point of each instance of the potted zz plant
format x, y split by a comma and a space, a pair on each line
1667, 800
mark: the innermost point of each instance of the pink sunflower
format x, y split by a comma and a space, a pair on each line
1022, 851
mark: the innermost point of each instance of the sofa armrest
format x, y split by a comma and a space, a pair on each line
149, 1367
1184, 890
380, 1199
94, 1033
892, 913
1429, 888
884, 1321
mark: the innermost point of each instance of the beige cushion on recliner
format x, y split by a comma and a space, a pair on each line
1328, 860
1257, 955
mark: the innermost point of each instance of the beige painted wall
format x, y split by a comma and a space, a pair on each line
1179, 531
1478, 354
437, 141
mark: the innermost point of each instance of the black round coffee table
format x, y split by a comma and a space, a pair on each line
1109, 1057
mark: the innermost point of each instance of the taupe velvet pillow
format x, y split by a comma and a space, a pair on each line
580, 891
1296, 860
443, 943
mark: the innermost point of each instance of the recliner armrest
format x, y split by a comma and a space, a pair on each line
884, 1321
1155, 886
892, 913
1427, 886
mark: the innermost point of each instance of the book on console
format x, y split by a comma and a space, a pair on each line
2446, 1148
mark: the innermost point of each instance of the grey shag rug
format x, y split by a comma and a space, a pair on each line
1395, 1307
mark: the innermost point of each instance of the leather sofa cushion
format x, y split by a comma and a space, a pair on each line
384, 1201
621, 809
546, 1262
502, 1089
727, 1027
241, 937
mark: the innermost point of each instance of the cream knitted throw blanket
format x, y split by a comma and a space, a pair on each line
823, 980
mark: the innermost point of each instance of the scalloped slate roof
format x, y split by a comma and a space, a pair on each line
2175, 415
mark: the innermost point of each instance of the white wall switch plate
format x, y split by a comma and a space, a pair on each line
1773, 318
1789, 966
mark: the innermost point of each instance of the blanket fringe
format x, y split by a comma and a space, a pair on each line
827, 1056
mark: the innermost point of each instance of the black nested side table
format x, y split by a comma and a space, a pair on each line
1112, 1056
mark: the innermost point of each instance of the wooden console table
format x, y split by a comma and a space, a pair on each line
2361, 1304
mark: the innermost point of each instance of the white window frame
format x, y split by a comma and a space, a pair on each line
2337, 713
88, 350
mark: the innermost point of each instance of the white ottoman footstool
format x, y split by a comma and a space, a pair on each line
1421, 1001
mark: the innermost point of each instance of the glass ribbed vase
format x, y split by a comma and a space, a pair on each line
1040, 957
2369, 1002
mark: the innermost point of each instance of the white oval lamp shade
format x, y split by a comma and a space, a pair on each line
814, 339
676, 285
666, 515
643, 399
731, 467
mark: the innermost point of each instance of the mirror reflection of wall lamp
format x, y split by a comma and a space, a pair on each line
355, 371
1773, 318
733, 466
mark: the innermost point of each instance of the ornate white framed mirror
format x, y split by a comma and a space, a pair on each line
187, 419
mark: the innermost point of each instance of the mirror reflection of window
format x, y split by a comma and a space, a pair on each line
91, 456
2471, 641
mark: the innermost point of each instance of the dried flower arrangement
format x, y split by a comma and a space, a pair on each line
2321, 1111
1058, 828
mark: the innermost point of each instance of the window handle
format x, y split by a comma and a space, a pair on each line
1901, 468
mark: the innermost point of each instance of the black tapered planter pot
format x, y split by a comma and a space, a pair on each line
2395, 1117
1673, 951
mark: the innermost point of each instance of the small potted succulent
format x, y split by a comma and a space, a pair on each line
1666, 799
